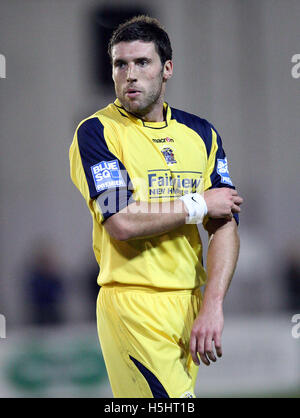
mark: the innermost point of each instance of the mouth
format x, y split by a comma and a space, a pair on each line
132, 93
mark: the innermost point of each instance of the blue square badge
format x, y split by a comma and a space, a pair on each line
222, 170
107, 175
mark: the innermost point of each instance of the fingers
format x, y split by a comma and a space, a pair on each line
218, 346
201, 350
222, 202
204, 347
233, 192
193, 349
235, 209
226, 191
208, 349
238, 200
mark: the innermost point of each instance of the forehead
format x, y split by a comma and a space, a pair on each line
134, 49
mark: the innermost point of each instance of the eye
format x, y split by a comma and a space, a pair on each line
143, 62
120, 64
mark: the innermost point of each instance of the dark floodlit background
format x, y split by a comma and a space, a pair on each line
235, 64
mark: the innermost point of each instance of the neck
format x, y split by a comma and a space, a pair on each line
154, 115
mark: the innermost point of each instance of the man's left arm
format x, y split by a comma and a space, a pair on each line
222, 256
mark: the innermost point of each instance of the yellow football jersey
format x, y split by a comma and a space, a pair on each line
113, 150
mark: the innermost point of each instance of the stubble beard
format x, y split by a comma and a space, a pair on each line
141, 107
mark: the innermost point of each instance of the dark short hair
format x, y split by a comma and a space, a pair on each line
146, 29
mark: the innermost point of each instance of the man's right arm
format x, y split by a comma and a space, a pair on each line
91, 156
143, 219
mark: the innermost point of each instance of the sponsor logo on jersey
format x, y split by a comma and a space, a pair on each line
167, 184
162, 140
107, 175
168, 153
222, 170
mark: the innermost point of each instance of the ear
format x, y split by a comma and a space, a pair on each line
168, 70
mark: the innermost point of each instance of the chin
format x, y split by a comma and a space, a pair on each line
134, 107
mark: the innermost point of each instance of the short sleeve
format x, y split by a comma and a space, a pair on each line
217, 173
104, 172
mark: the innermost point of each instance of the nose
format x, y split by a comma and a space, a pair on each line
131, 74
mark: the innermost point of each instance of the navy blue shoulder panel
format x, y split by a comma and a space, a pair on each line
203, 128
199, 125
98, 160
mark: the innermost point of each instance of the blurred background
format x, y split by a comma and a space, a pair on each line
235, 64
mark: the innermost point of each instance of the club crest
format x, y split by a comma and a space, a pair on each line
168, 153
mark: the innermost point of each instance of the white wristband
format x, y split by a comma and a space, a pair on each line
196, 206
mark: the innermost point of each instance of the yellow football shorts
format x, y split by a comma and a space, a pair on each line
144, 336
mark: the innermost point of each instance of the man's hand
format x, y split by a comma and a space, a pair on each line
222, 202
222, 255
207, 328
